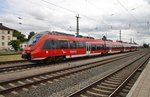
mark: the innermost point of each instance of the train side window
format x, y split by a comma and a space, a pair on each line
57, 45
107, 47
98, 47
73, 44
84, 44
93, 47
47, 44
81, 44
63, 44
53, 44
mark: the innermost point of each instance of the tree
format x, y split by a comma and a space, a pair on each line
104, 38
30, 35
15, 44
20, 36
145, 45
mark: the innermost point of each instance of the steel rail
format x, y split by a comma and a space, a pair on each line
10, 62
77, 93
19, 67
128, 78
74, 70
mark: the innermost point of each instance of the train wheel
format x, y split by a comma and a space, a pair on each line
61, 58
102, 54
48, 60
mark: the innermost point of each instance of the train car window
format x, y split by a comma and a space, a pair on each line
35, 39
80, 44
73, 44
93, 47
96, 47
107, 48
53, 44
63, 44
47, 44
112, 47
57, 45
99, 47
84, 44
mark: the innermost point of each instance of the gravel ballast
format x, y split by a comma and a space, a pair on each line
73, 83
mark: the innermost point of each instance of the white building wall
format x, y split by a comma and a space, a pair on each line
5, 37
23, 45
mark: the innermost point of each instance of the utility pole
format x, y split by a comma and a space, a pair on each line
77, 34
148, 25
120, 35
130, 40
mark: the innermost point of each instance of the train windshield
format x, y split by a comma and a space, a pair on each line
35, 39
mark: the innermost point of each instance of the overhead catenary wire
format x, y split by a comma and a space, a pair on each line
101, 17
20, 18
75, 12
72, 11
129, 13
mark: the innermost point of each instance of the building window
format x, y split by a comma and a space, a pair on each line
8, 37
3, 37
8, 32
3, 43
3, 32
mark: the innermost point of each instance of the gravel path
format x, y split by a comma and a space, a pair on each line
71, 83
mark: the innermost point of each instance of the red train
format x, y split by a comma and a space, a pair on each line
52, 46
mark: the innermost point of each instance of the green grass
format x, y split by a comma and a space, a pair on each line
9, 52
10, 58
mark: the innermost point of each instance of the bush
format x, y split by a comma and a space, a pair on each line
15, 44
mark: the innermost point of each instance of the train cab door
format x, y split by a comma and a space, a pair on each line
88, 48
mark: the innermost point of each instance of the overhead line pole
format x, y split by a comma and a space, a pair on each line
148, 25
120, 35
77, 34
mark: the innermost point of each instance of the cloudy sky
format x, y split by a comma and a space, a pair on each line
97, 17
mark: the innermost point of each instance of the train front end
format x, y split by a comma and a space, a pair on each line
32, 50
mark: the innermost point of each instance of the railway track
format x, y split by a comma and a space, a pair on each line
115, 84
12, 62
13, 68
18, 68
22, 83
17, 65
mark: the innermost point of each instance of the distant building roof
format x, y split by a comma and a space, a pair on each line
4, 27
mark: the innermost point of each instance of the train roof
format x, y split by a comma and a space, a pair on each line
52, 35
64, 36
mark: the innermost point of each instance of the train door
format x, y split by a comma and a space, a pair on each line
88, 48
